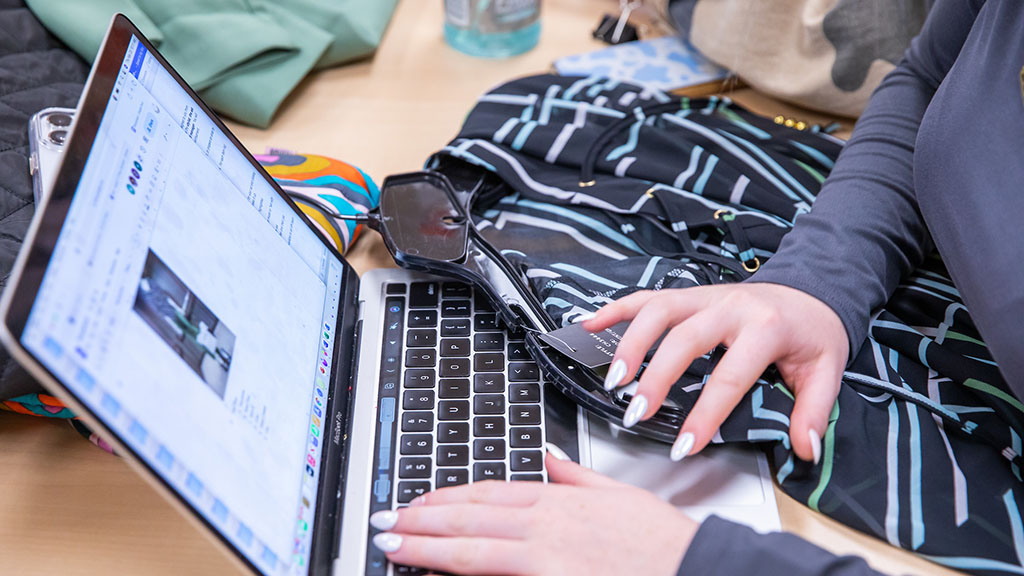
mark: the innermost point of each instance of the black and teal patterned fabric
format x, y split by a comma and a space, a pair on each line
617, 188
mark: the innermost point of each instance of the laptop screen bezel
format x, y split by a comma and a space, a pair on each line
28, 275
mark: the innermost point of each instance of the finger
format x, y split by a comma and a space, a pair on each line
738, 369
815, 398
649, 325
683, 344
624, 308
458, 555
571, 473
494, 492
479, 520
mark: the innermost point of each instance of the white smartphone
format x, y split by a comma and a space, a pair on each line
48, 130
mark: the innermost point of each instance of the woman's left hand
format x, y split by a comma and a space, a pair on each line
584, 524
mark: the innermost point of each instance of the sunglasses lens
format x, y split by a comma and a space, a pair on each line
419, 219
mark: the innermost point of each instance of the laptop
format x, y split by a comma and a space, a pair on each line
177, 300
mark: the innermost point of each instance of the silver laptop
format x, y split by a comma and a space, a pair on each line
179, 302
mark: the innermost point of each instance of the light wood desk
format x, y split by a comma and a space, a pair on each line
68, 507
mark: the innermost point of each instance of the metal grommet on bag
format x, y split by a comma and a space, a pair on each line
752, 268
650, 192
587, 184
721, 214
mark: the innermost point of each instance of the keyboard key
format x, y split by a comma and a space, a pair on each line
419, 378
455, 327
527, 460
419, 357
524, 414
414, 467
517, 352
524, 393
417, 421
453, 410
489, 383
455, 347
416, 444
455, 290
523, 372
489, 426
453, 455
481, 302
418, 400
489, 404
409, 490
423, 295
488, 471
489, 449
422, 318
403, 570
525, 437
454, 388
527, 478
486, 323
421, 338
489, 362
451, 477
516, 335
453, 432
396, 289
454, 367
489, 342
455, 309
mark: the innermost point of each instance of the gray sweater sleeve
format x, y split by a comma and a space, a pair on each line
722, 547
865, 231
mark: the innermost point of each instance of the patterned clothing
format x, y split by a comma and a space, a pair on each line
616, 188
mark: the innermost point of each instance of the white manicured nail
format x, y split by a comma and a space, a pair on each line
384, 520
815, 444
583, 317
680, 448
637, 408
556, 451
387, 542
615, 374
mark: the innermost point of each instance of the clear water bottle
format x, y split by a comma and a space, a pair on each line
492, 28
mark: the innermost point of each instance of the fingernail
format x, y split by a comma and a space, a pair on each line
615, 374
556, 451
637, 408
680, 448
387, 542
584, 317
384, 520
815, 444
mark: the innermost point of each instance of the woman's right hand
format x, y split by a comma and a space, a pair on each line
760, 324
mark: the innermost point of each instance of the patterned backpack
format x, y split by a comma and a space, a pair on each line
608, 188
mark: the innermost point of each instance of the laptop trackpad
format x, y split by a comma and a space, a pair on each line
733, 483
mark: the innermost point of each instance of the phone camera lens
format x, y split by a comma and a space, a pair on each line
58, 137
59, 119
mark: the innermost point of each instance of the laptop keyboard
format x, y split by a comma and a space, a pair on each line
460, 399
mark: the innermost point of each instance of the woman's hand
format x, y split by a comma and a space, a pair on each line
760, 324
585, 524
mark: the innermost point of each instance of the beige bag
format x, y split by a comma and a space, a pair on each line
827, 55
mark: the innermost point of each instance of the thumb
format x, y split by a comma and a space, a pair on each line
815, 398
570, 473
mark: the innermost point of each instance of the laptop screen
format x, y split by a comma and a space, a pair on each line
190, 309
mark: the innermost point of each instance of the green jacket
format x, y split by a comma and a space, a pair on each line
243, 56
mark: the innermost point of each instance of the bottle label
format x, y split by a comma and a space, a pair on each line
493, 16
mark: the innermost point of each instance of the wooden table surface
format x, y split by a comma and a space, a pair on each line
66, 506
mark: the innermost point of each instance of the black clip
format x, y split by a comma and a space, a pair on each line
614, 30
